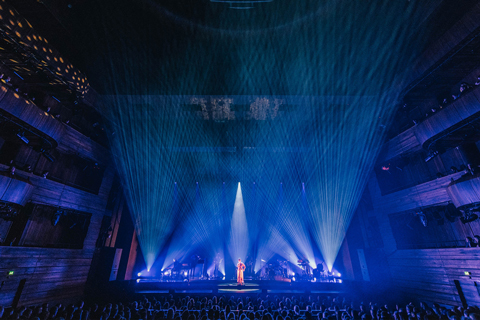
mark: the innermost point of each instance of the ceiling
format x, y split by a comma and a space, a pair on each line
202, 47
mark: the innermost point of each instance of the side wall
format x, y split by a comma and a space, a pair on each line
57, 274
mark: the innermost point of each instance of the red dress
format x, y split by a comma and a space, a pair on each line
240, 269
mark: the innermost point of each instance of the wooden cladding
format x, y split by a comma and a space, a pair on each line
443, 121
412, 140
15, 190
465, 192
425, 194
405, 142
51, 274
29, 113
446, 43
429, 274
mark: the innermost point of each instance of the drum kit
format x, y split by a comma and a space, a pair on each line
275, 269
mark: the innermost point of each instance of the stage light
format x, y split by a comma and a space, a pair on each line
205, 221
314, 279
139, 274
138, 280
339, 280
431, 154
185, 274
293, 279
48, 156
22, 137
341, 105
148, 269
239, 241
223, 278
339, 274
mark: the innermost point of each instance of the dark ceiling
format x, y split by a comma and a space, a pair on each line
201, 47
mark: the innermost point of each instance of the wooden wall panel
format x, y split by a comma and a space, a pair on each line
465, 192
412, 139
465, 26
74, 142
405, 142
14, 190
425, 194
429, 274
30, 113
51, 274
457, 111
55, 274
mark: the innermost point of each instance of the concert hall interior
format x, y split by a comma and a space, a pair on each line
270, 158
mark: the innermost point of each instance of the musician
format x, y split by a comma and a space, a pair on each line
249, 265
193, 264
240, 268
320, 267
177, 267
305, 264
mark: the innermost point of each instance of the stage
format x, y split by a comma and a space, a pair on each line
151, 286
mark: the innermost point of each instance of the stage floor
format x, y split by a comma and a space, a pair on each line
151, 286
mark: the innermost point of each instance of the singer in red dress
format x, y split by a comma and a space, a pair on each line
240, 269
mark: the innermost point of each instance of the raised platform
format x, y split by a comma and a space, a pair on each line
147, 286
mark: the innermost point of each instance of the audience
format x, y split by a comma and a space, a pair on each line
239, 308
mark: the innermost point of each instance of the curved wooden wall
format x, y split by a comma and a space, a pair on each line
429, 274
465, 26
28, 112
423, 195
405, 142
413, 139
459, 110
54, 274
465, 192
15, 190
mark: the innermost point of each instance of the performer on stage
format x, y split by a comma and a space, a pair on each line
240, 268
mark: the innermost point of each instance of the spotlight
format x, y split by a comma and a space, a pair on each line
47, 155
339, 274
223, 278
423, 218
138, 280
22, 137
148, 270
432, 154
339, 280
314, 279
56, 217
293, 279
185, 273
139, 274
